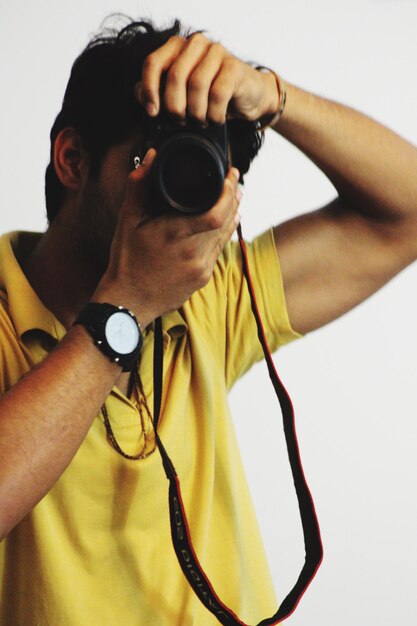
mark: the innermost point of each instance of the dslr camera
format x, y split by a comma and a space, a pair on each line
190, 166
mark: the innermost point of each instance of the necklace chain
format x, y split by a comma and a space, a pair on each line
136, 386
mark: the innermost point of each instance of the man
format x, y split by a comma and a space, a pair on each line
83, 504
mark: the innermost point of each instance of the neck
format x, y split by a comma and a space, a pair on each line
61, 272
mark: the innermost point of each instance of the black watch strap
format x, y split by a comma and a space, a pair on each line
94, 318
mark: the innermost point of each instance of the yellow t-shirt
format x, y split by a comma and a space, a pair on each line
97, 551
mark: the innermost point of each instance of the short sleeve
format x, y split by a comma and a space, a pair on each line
243, 348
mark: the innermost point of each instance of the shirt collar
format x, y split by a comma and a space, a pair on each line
174, 324
26, 309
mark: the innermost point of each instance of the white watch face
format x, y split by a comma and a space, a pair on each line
122, 333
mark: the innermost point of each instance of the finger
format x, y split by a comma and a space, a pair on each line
221, 237
225, 234
232, 216
201, 81
148, 91
137, 188
222, 91
175, 94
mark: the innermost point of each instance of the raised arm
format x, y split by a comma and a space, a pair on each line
337, 256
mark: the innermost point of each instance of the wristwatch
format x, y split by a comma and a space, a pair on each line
115, 330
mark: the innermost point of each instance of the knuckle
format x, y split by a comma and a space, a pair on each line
177, 38
205, 274
197, 37
173, 232
214, 221
196, 271
217, 47
196, 83
175, 74
231, 63
150, 62
217, 95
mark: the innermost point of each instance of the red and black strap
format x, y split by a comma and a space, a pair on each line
179, 526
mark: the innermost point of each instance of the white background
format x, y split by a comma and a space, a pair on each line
353, 383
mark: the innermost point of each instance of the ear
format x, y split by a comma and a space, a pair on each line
70, 159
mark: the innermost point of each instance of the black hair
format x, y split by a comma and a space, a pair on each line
99, 100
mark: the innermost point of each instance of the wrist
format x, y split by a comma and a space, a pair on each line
121, 297
115, 332
272, 94
275, 99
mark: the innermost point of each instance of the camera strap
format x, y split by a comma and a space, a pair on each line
180, 532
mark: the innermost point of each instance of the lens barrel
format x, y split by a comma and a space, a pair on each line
190, 166
188, 173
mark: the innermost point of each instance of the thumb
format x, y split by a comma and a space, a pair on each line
137, 189
149, 157
142, 167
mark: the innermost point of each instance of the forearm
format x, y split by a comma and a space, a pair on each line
372, 168
44, 419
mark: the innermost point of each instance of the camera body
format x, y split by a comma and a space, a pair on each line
190, 166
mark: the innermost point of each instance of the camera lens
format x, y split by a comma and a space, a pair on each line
189, 173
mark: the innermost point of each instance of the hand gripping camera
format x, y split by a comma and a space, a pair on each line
190, 166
